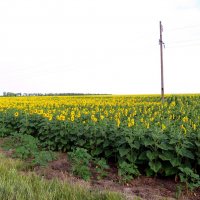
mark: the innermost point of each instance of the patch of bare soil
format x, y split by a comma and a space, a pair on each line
144, 187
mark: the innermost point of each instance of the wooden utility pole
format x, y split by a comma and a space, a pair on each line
161, 60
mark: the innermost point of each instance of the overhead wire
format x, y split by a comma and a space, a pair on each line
184, 27
184, 42
184, 45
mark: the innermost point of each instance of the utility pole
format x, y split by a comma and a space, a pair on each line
161, 60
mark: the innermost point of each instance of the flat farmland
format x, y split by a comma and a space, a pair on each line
136, 133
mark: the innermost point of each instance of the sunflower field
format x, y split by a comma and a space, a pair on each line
132, 130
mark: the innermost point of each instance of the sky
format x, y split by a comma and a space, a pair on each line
99, 46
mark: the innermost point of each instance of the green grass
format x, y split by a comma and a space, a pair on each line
16, 186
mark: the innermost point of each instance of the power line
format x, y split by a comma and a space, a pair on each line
183, 45
185, 27
184, 41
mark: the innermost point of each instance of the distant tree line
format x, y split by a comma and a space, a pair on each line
12, 94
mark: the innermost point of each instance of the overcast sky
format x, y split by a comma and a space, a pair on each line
99, 46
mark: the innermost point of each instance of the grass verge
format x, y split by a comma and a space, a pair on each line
14, 185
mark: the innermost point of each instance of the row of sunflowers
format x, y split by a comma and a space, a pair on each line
154, 138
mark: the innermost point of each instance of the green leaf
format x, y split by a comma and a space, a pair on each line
167, 155
184, 152
132, 157
169, 171
123, 151
97, 151
106, 143
175, 162
189, 172
148, 142
81, 142
108, 153
62, 133
155, 166
143, 156
152, 155
99, 141
197, 143
164, 146
64, 141
135, 145
149, 172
